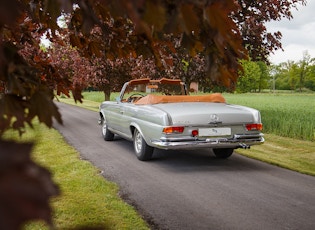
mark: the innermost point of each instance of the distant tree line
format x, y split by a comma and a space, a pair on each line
297, 76
290, 75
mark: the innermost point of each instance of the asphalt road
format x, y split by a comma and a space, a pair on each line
193, 189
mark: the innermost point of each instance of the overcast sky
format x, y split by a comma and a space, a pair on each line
298, 34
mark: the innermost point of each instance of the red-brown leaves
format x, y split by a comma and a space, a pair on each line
39, 100
75, 41
155, 15
28, 88
190, 19
251, 17
226, 48
207, 27
16, 111
12, 113
8, 17
25, 187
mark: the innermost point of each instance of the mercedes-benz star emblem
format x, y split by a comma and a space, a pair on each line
214, 119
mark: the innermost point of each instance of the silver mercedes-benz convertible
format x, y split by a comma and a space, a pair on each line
161, 114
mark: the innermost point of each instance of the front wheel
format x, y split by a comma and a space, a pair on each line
223, 153
142, 149
107, 134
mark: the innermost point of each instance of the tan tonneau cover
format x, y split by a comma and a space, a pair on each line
156, 99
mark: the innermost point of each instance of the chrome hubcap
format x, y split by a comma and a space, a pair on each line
104, 128
138, 142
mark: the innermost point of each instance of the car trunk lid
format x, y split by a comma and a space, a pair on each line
203, 113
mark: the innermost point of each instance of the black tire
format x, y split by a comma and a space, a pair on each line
107, 134
223, 153
142, 149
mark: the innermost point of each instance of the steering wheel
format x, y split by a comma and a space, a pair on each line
166, 92
134, 96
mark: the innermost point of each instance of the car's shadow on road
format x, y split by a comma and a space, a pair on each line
196, 160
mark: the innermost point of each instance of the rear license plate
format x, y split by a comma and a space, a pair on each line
214, 132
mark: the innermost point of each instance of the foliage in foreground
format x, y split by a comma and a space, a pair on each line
26, 187
86, 199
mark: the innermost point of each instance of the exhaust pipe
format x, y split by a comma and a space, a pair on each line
244, 146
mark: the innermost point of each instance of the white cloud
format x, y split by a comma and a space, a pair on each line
298, 34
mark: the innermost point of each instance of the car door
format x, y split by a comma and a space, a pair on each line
127, 113
112, 115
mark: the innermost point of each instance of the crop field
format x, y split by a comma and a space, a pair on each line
289, 115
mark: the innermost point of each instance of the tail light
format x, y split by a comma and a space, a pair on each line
170, 130
194, 133
254, 127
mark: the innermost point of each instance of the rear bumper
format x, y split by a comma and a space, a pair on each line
238, 141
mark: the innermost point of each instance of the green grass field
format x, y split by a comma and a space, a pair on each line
288, 115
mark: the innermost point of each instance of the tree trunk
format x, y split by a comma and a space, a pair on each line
107, 94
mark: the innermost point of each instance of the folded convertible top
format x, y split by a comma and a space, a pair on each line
157, 99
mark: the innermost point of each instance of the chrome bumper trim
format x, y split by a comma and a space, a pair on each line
238, 141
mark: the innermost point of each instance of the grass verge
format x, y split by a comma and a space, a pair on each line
296, 155
86, 199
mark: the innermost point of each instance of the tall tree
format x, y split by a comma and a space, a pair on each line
249, 77
264, 76
303, 66
110, 75
310, 76
280, 76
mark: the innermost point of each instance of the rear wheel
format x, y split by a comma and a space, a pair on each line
107, 134
142, 149
223, 153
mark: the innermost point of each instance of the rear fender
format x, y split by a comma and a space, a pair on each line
134, 126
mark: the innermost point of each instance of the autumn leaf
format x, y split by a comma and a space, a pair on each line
75, 41
94, 48
36, 103
191, 19
52, 7
154, 15
12, 113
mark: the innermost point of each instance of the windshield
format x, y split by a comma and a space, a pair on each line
141, 88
